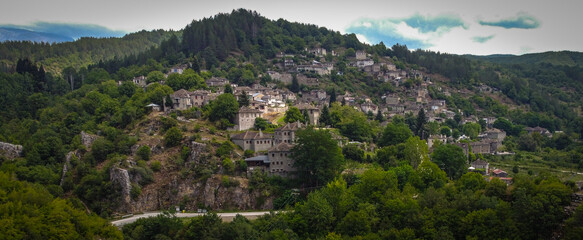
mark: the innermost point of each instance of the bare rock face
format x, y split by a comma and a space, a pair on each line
210, 194
196, 149
121, 177
10, 151
66, 165
87, 139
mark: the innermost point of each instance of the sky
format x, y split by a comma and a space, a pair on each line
452, 26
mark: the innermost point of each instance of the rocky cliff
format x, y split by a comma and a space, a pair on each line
171, 188
211, 193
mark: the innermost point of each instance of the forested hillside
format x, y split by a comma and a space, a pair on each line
126, 125
80, 53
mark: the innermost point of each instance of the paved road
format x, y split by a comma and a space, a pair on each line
224, 216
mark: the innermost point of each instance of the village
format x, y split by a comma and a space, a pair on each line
273, 150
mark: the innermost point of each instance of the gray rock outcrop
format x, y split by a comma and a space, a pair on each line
10, 151
87, 139
121, 177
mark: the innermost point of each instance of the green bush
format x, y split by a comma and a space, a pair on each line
156, 166
135, 191
144, 152
228, 166
173, 137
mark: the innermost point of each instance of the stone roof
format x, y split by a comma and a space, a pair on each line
494, 130
260, 158
290, 126
479, 162
252, 135
181, 94
282, 147
249, 110
303, 106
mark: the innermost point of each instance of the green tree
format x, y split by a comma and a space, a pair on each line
420, 129
451, 159
380, 116
325, 118
353, 152
431, 175
243, 99
224, 107
395, 134
472, 130
228, 166
472, 181
315, 169
173, 137
261, 123
155, 76
295, 85
416, 151
293, 114
228, 89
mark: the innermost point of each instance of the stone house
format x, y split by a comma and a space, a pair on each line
480, 164
155, 107
181, 100
282, 77
495, 134
485, 146
369, 107
287, 133
392, 99
216, 82
200, 98
256, 141
280, 162
140, 81
177, 69
363, 63
245, 118
499, 173
257, 163
436, 138
313, 112
540, 130
318, 52
360, 55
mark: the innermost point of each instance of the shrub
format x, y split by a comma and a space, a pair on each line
135, 191
156, 166
173, 137
228, 166
144, 152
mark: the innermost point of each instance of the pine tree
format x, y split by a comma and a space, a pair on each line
325, 118
380, 116
295, 85
243, 99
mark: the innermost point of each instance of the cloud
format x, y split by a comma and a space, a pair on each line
522, 20
480, 39
416, 31
72, 30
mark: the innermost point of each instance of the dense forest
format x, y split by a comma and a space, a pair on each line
388, 185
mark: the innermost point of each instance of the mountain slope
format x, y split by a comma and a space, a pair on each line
563, 58
15, 34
